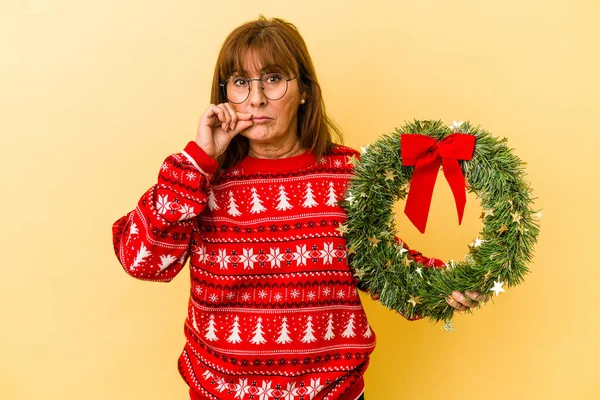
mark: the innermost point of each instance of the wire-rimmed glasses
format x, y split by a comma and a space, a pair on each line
273, 86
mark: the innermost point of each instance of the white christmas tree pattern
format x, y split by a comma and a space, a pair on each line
211, 329
329, 331
133, 230
331, 198
143, 252
309, 199
308, 332
256, 202
349, 332
166, 260
283, 200
194, 323
368, 333
235, 331
212, 202
283, 333
182, 258
232, 209
258, 333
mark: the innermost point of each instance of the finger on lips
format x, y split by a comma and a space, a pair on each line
244, 116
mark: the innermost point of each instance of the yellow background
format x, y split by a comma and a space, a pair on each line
96, 94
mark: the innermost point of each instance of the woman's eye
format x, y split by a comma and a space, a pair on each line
274, 78
240, 82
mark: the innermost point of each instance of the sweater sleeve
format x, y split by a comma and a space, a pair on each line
152, 242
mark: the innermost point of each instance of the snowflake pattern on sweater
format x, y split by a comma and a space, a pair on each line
274, 312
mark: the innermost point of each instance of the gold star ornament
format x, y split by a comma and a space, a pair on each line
502, 229
374, 241
342, 229
516, 217
486, 213
352, 160
487, 275
414, 301
359, 273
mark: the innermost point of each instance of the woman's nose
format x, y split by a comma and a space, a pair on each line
256, 95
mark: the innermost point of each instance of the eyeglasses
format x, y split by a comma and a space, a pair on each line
273, 86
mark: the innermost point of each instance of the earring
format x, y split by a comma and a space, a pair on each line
302, 101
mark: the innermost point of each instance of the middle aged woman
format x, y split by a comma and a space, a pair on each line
274, 311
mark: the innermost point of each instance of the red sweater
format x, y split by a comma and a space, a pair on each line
274, 312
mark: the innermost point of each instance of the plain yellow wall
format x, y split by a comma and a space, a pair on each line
95, 94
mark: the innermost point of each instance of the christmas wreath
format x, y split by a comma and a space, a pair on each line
406, 163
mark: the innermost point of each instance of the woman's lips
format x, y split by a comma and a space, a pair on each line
261, 119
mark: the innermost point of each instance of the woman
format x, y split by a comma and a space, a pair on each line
274, 311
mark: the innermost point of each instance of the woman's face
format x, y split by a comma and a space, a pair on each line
281, 126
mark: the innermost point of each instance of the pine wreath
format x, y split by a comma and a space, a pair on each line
498, 257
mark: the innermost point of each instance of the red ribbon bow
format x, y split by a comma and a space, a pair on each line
426, 154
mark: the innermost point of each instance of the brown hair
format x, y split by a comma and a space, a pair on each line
278, 44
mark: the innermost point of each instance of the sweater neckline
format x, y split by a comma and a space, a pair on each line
286, 164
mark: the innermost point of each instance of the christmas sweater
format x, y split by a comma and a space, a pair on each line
273, 312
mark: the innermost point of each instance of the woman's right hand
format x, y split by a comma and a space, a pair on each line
218, 126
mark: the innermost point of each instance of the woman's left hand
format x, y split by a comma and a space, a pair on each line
462, 302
